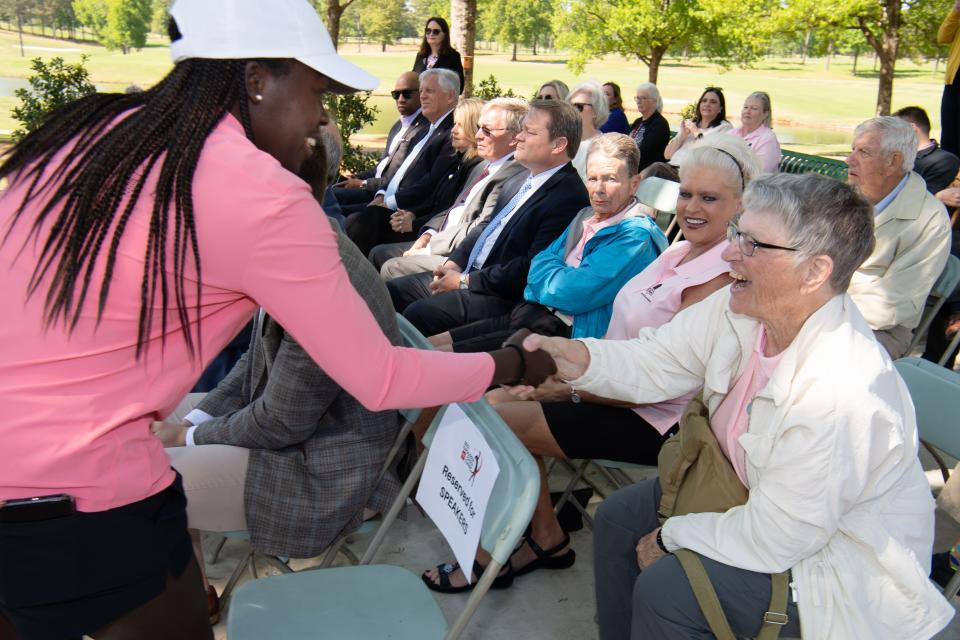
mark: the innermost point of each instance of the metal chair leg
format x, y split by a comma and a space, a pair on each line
216, 552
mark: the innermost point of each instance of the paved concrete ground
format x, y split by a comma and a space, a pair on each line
547, 605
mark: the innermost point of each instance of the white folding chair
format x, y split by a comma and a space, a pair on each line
661, 196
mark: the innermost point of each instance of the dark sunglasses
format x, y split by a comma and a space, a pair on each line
546, 97
432, 32
406, 93
580, 105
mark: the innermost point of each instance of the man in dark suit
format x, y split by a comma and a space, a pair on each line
499, 124
427, 163
937, 167
404, 134
486, 275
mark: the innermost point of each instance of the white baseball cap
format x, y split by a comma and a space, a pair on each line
238, 29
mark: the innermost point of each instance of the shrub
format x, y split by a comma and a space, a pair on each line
53, 85
489, 89
352, 113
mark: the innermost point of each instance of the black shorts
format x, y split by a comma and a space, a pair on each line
596, 431
73, 575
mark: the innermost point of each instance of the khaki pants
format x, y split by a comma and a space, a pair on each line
213, 479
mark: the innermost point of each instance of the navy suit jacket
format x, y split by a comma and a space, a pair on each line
436, 161
416, 130
537, 223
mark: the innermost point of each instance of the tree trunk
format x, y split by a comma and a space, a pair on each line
383, 47
20, 31
806, 47
856, 57
513, 58
463, 34
885, 85
885, 46
334, 12
656, 56
535, 45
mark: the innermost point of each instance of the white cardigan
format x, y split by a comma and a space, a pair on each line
837, 493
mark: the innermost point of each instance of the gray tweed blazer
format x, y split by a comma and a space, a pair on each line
315, 451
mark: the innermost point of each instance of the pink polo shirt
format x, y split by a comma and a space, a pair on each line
590, 227
77, 408
651, 298
732, 417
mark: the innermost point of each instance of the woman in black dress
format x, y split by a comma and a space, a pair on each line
435, 50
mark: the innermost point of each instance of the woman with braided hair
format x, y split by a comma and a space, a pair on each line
130, 223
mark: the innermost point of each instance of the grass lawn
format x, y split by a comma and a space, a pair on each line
816, 108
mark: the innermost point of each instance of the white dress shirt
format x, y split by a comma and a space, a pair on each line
405, 122
389, 194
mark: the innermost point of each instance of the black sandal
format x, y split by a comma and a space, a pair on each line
444, 572
546, 559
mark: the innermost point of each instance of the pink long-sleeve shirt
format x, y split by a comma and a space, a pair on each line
78, 407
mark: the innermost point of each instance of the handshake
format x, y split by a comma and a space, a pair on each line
515, 365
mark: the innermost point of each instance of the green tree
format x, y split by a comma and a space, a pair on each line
517, 23
52, 85
727, 31
463, 36
117, 24
383, 21
19, 11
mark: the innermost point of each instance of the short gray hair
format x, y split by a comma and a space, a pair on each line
514, 111
822, 216
896, 136
651, 88
619, 147
332, 143
729, 154
601, 111
448, 80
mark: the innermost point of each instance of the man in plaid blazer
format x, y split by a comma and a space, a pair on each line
312, 452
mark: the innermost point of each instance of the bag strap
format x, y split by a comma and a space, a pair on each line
776, 616
705, 594
773, 620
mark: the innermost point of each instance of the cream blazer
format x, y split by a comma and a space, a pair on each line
837, 493
913, 243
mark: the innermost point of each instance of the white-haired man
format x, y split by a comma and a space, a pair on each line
912, 232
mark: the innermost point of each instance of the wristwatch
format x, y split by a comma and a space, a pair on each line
660, 544
464, 281
574, 396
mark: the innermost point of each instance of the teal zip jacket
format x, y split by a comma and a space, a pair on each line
610, 258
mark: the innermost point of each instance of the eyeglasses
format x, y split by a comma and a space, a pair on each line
487, 131
748, 244
432, 32
580, 105
406, 93
546, 97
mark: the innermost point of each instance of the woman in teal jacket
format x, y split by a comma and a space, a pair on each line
572, 283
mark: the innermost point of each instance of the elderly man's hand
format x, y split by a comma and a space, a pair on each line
951, 195
648, 551
171, 434
377, 201
449, 281
401, 221
445, 267
421, 243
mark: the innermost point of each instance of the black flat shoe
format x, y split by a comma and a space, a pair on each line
546, 559
446, 570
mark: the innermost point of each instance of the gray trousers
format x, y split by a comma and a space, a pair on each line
658, 603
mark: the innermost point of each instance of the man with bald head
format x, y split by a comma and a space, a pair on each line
403, 136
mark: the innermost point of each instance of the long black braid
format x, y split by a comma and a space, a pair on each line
95, 187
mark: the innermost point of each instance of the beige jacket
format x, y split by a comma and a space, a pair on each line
913, 243
837, 493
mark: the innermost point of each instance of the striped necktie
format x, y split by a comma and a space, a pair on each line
496, 222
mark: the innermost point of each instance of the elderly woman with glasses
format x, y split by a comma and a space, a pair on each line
814, 421
650, 131
436, 52
589, 100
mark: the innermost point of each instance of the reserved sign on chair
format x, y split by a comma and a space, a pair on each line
457, 482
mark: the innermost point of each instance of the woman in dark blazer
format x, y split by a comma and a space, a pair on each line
650, 131
435, 50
